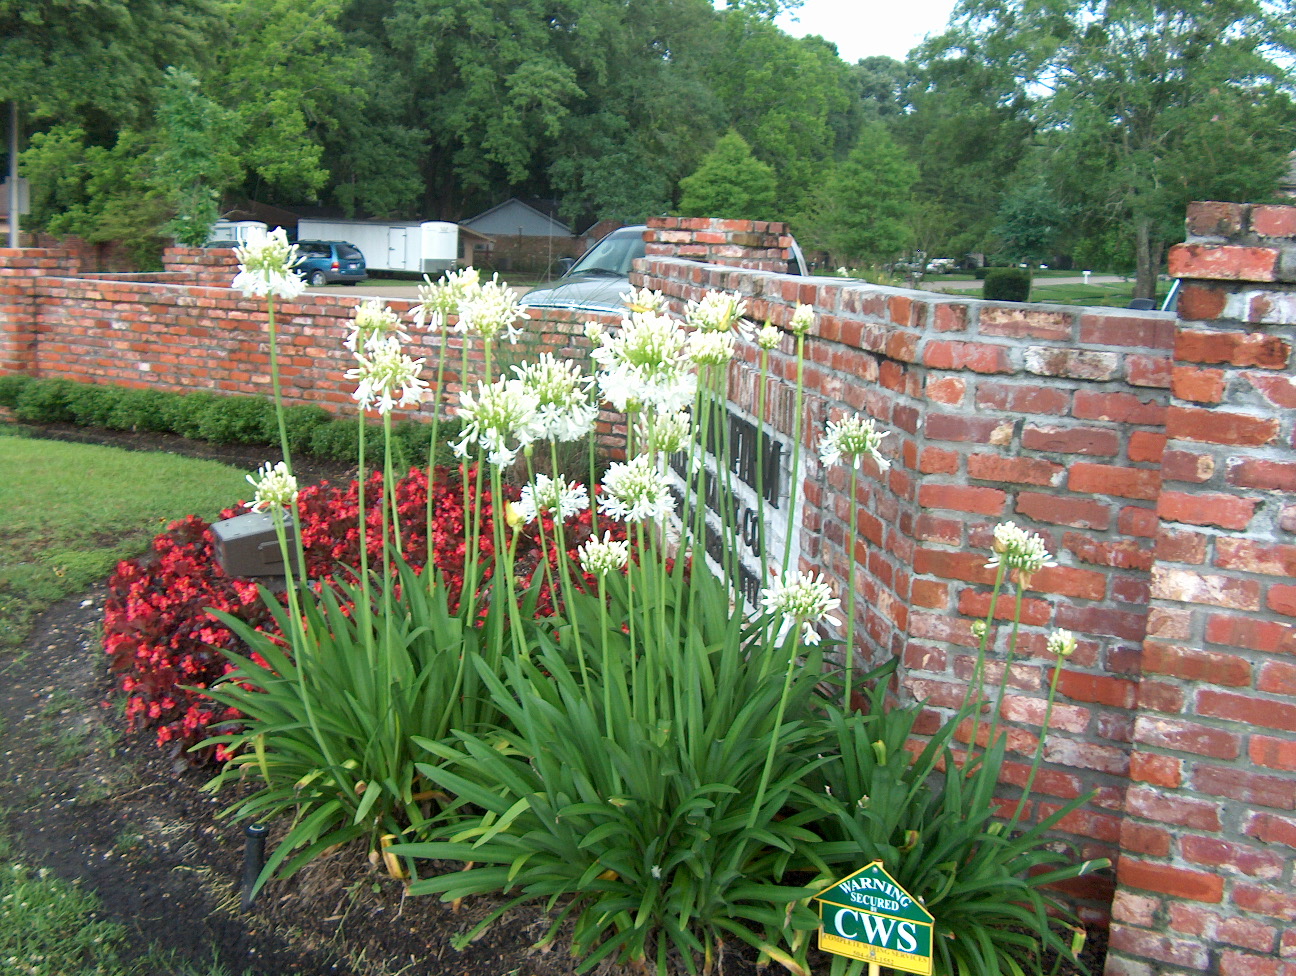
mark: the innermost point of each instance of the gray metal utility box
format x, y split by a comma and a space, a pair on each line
246, 545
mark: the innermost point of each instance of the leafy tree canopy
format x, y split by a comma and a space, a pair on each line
730, 183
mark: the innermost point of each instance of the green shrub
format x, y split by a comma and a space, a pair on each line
143, 410
339, 440
980, 273
1007, 285
46, 402
300, 423
91, 405
185, 414
237, 420
11, 386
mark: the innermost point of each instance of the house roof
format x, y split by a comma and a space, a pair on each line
545, 209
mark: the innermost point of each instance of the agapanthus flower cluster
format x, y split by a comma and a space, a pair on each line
265, 267
644, 300
802, 320
636, 490
711, 348
645, 365
850, 441
275, 487
598, 557
383, 369
373, 320
565, 409
1018, 549
769, 336
804, 599
500, 419
438, 301
490, 309
553, 497
718, 311
667, 433
1062, 643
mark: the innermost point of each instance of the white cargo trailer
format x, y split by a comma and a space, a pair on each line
428, 247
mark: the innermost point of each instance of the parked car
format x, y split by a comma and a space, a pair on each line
329, 262
602, 275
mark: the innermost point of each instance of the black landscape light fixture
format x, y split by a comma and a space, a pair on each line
253, 860
247, 545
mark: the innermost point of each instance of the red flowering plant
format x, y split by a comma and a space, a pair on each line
162, 639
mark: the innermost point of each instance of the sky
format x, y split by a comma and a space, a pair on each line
863, 28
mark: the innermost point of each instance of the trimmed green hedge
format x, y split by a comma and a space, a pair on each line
1007, 285
203, 415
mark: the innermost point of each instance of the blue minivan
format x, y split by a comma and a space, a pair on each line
330, 262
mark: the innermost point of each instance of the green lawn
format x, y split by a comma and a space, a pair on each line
69, 512
1116, 293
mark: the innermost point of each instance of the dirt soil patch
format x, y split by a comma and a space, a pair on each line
114, 812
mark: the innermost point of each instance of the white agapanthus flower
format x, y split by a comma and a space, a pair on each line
769, 336
667, 433
265, 268
373, 320
1018, 549
635, 490
490, 309
1062, 643
437, 302
644, 300
566, 410
802, 320
850, 441
600, 557
803, 599
275, 487
645, 365
382, 370
719, 311
710, 348
500, 419
551, 496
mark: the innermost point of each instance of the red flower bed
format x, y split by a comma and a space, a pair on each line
161, 639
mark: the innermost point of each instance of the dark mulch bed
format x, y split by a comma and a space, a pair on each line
112, 811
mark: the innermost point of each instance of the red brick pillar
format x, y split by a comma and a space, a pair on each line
19, 269
757, 245
1206, 878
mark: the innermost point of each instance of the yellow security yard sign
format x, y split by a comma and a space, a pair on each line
869, 917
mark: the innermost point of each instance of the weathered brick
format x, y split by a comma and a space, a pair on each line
1110, 327
1018, 470
1171, 880
1024, 322
1277, 678
1188, 466
1063, 510
1209, 218
977, 357
1146, 447
1272, 753
947, 390
1120, 554
1261, 474
1270, 828
1197, 384
963, 498
1226, 511
1151, 371
1096, 441
1180, 546
1220, 427
1268, 220
1195, 664
1076, 364
1029, 398
1270, 636
978, 430
1106, 479
1247, 708
1223, 262
1266, 901
1282, 598
1126, 408
1218, 853
1183, 735
1201, 302
1249, 556
1249, 787
1188, 586
1156, 770
1232, 348
1279, 390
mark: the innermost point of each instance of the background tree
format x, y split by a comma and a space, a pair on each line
1131, 89
859, 214
731, 183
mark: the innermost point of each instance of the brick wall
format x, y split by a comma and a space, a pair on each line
1206, 879
1154, 455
